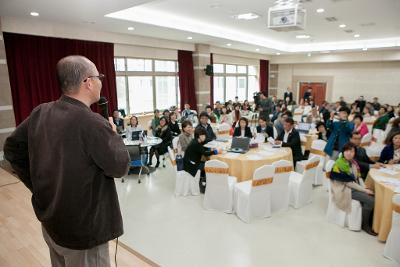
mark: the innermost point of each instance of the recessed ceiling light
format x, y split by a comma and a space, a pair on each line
131, 28
35, 14
247, 16
278, 54
365, 49
257, 49
342, 26
325, 52
309, 55
320, 10
356, 35
229, 44
189, 38
302, 36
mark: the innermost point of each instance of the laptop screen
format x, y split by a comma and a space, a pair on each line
304, 127
241, 143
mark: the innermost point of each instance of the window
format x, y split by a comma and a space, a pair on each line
146, 84
234, 80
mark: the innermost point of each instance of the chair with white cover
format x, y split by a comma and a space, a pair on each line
300, 185
317, 150
303, 140
220, 186
298, 114
392, 247
223, 129
338, 216
280, 185
252, 198
369, 121
175, 143
185, 184
328, 168
379, 135
366, 140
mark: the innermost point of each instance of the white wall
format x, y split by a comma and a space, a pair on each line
381, 79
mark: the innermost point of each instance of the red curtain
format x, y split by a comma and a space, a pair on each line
264, 75
186, 79
32, 63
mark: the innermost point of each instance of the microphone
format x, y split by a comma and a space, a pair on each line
103, 105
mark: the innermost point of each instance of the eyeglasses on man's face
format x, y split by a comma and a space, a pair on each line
100, 77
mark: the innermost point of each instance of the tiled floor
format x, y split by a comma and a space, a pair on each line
178, 232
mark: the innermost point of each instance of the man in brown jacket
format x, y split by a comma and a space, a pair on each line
67, 156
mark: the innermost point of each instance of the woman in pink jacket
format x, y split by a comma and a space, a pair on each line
359, 125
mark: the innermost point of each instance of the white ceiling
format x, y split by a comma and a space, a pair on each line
377, 21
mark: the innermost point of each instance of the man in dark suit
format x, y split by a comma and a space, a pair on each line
307, 94
360, 104
118, 121
361, 156
204, 124
290, 137
288, 94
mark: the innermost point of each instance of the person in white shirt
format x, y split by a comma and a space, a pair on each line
133, 127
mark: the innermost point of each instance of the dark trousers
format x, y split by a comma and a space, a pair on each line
367, 203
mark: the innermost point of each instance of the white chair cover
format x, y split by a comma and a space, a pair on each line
219, 189
379, 135
300, 185
340, 217
317, 150
280, 185
366, 140
252, 198
175, 143
392, 247
328, 169
186, 184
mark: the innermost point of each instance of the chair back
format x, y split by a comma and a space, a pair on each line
311, 168
217, 173
328, 168
262, 177
366, 140
379, 135
282, 171
317, 149
172, 157
224, 128
134, 152
175, 143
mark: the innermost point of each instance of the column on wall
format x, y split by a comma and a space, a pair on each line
201, 58
7, 120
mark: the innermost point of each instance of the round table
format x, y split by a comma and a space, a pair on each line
243, 166
383, 201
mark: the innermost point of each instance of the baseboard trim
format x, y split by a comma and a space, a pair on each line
137, 254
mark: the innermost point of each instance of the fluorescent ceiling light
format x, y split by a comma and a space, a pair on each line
325, 52
131, 28
229, 44
34, 14
278, 54
189, 37
163, 19
246, 16
342, 26
302, 36
257, 49
320, 10
356, 35
309, 55
365, 49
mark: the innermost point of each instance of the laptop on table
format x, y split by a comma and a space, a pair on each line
303, 127
240, 145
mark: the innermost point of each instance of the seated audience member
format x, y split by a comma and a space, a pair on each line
367, 112
375, 104
133, 127
360, 126
265, 128
210, 114
390, 112
237, 100
323, 133
395, 128
290, 137
174, 109
194, 152
277, 112
360, 103
173, 125
313, 116
243, 130
162, 131
155, 121
217, 110
118, 121
165, 114
245, 110
345, 185
342, 102
361, 156
247, 103
185, 137
186, 112
391, 153
324, 111
203, 123
279, 122
383, 119
225, 116
236, 115
340, 132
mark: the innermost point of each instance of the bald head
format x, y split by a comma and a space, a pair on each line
72, 70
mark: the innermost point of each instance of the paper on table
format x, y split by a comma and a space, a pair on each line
265, 153
388, 171
388, 181
211, 144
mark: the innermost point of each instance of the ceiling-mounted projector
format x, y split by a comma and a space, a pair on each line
286, 18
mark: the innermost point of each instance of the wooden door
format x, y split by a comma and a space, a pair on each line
318, 91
